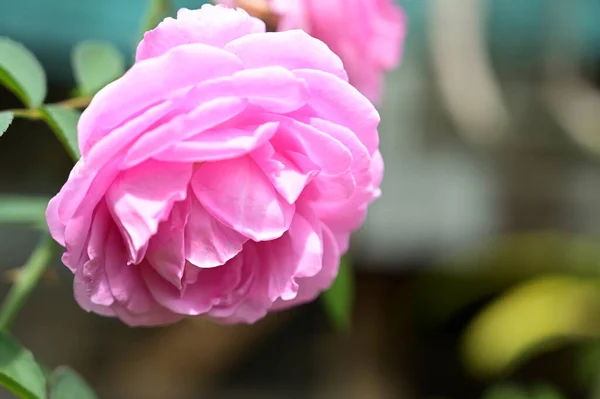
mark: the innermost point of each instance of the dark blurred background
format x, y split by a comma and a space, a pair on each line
477, 272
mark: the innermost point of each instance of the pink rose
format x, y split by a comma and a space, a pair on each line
368, 35
221, 176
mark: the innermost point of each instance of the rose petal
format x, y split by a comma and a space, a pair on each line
273, 48
209, 243
237, 193
311, 287
141, 197
288, 177
272, 88
215, 26
337, 101
166, 249
127, 288
197, 298
320, 148
219, 144
78, 226
206, 116
140, 87
91, 284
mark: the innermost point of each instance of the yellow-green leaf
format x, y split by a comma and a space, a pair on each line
22, 73
532, 317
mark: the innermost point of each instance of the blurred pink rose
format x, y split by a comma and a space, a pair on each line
368, 35
221, 176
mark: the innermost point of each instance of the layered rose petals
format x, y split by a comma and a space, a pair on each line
222, 175
368, 35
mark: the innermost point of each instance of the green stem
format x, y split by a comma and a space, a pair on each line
71, 103
31, 273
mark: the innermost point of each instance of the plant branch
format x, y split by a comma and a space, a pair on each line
30, 275
76, 102
35, 114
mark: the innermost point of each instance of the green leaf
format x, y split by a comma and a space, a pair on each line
67, 384
96, 64
20, 209
22, 73
339, 299
6, 119
63, 122
19, 372
545, 391
505, 391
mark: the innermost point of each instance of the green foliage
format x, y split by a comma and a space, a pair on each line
512, 391
21, 73
505, 391
339, 299
6, 119
20, 209
95, 64
545, 392
65, 383
19, 372
534, 316
495, 266
63, 122
587, 362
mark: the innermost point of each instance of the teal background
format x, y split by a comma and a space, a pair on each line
51, 27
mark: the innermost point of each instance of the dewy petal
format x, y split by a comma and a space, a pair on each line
288, 178
166, 249
273, 48
219, 144
142, 197
337, 101
150, 81
208, 242
237, 193
215, 26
